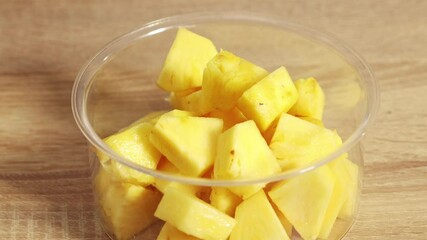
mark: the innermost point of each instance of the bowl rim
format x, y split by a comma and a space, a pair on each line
84, 81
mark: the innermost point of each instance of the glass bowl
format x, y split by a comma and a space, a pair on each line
117, 86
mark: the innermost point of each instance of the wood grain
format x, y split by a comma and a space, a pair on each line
45, 190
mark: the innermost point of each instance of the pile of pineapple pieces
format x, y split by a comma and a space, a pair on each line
231, 120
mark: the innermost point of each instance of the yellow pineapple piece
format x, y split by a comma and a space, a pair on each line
311, 101
348, 209
243, 153
297, 142
127, 209
162, 184
315, 121
226, 77
304, 200
230, 118
194, 102
185, 62
193, 216
283, 220
133, 144
268, 98
187, 142
169, 232
224, 200
257, 220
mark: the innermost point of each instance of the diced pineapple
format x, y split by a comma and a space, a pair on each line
349, 206
186, 60
127, 209
134, 145
188, 142
224, 200
268, 98
243, 153
315, 121
162, 184
230, 118
283, 220
193, 216
297, 142
304, 200
257, 220
194, 102
311, 99
226, 77
169, 232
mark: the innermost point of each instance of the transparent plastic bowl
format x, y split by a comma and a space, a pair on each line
117, 86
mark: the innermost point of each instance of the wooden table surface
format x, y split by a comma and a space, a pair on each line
45, 190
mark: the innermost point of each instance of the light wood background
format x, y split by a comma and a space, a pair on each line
44, 179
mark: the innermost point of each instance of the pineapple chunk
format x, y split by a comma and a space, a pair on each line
257, 220
162, 184
311, 99
268, 98
169, 232
127, 209
186, 60
193, 216
304, 200
188, 142
224, 200
243, 153
230, 118
194, 102
315, 121
283, 220
352, 187
226, 77
133, 144
297, 142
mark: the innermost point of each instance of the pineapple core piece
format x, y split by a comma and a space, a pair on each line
169, 232
311, 99
243, 153
187, 142
257, 220
297, 142
127, 209
185, 62
133, 144
225, 79
304, 200
268, 98
193, 216
224, 200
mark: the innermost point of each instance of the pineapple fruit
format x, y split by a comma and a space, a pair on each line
256, 220
236, 121
185, 62
169, 232
133, 144
128, 209
243, 153
304, 200
224, 200
188, 142
311, 99
297, 142
193, 216
268, 98
225, 79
